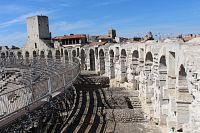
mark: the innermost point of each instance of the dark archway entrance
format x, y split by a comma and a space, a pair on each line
3, 55
49, 54
66, 55
112, 68
102, 61
123, 66
57, 54
83, 65
92, 60
42, 56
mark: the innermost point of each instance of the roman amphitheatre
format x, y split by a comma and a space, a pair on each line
61, 85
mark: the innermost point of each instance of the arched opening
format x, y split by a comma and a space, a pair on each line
162, 72
11, 55
149, 58
102, 61
66, 55
148, 62
112, 68
27, 54
34, 54
42, 54
49, 54
92, 60
3, 55
34, 57
134, 68
135, 63
148, 90
19, 55
183, 99
182, 77
74, 53
83, 65
57, 54
123, 66
160, 91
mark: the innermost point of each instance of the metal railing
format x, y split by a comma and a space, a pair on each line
40, 79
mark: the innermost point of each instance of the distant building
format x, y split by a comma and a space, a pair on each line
112, 33
188, 37
93, 39
106, 39
71, 39
149, 36
121, 39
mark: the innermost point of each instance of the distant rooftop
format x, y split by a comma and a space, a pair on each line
69, 36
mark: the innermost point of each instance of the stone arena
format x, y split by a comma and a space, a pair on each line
141, 87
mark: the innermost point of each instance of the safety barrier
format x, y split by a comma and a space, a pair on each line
40, 79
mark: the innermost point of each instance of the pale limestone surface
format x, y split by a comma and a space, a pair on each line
165, 73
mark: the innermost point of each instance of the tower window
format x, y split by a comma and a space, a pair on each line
35, 45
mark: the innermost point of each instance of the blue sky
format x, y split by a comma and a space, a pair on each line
129, 17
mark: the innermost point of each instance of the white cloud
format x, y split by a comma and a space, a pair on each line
66, 26
109, 2
22, 18
16, 38
12, 8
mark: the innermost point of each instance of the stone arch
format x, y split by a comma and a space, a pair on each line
184, 98
148, 77
135, 54
102, 61
34, 54
182, 76
162, 72
3, 55
162, 64
19, 55
123, 66
148, 62
66, 55
27, 54
83, 65
74, 53
49, 54
112, 68
11, 54
12, 57
42, 55
149, 57
92, 60
123, 53
57, 54
159, 90
134, 68
135, 61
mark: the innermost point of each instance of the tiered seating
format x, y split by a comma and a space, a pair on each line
87, 115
